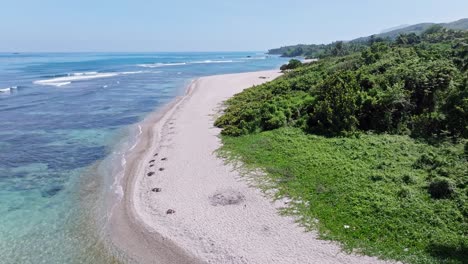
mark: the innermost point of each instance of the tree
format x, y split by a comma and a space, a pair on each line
293, 64
336, 108
408, 39
456, 110
337, 49
460, 54
425, 81
433, 30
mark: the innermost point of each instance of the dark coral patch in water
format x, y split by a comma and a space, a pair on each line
52, 191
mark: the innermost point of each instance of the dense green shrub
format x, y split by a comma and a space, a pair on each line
455, 109
293, 64
428, 125
416, 85
408, 39
441, 188
335, 110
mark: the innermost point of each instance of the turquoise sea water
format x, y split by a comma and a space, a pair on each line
60, 114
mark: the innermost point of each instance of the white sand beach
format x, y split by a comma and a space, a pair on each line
203, 210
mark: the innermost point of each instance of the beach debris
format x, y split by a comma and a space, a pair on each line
161, 169
164, 159
152, 165
156, 190
170, 211
151, 161
226, 197
150, 173
263, 77
155, 154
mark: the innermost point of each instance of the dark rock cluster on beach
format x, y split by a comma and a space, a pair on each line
152, 163
156, 190
151, 173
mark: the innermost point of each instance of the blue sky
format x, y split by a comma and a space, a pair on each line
204, 25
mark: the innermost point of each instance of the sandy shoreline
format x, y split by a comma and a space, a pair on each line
218, 218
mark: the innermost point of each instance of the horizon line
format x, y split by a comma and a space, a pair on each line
205, 51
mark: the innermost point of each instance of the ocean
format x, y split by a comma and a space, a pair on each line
64, 119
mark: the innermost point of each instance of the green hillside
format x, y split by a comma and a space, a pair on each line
371, 146
461, 24
320, 50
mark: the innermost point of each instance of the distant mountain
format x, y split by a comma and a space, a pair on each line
314, 50
461, 24
394, 28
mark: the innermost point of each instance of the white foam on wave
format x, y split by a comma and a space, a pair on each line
7, 90
157, 65
123, 161
116, 186
118, 189
61, 81
140, 131
133, 72
256, 58
212, 61
82, 73
58, 84
81, 76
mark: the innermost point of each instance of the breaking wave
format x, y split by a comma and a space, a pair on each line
157, 65
80, 76
8, 89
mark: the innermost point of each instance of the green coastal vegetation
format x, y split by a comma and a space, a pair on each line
324, 50
369, 142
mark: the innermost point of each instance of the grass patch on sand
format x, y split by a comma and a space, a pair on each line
384, 195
